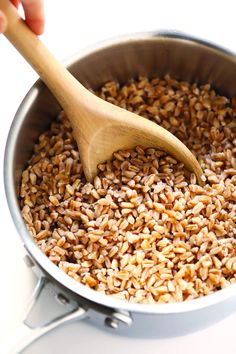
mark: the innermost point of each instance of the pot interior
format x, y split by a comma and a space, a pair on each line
146, 55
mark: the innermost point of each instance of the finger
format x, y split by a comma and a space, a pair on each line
3, 22
34, 15
15, 3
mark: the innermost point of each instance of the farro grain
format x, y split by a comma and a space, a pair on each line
143, 231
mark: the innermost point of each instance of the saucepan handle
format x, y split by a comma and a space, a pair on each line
62, 310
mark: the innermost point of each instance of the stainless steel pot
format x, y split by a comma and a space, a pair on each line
152, 54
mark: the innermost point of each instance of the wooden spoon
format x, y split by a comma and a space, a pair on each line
99, 127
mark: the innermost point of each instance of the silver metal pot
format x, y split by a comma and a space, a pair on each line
152, 54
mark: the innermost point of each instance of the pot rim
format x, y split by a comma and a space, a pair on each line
38, 256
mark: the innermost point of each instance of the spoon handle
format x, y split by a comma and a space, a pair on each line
51, 71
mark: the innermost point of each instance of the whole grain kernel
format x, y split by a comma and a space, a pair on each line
143, 231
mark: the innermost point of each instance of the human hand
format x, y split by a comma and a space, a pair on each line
34, 15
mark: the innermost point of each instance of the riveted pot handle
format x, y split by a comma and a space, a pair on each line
37, 322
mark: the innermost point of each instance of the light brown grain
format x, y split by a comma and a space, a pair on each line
144, 231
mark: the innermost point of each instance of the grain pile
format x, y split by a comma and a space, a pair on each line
144, 231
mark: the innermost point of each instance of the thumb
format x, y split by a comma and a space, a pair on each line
3, 22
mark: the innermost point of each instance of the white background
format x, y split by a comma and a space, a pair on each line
70, 26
